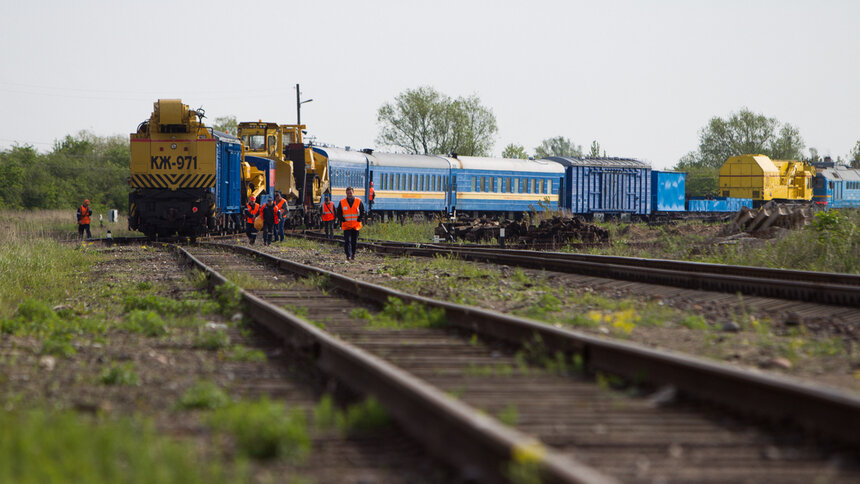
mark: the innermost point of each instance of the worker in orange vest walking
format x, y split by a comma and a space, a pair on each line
280, 216
350, 212
251, 212
328, 216
84, 214
371, 195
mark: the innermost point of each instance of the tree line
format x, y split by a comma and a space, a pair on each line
77, 167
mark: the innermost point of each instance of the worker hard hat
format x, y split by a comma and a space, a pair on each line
86, 200
252, 198
371, 183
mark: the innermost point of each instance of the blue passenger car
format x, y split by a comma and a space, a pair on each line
836, 186
667, 191
346, 169
493, 185
409, 183
609, 186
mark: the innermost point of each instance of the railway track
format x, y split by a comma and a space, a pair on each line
815, 287
568, 424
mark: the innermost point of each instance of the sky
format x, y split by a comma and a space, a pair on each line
642, 78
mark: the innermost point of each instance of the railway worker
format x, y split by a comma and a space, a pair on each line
270, 215
251, 212
328, 216
84, 214
371, 194
280, 216
350, 212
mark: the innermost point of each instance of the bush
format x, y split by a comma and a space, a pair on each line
264, 430
147, 322
203, 395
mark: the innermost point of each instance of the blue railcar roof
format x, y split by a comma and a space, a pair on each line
605, 162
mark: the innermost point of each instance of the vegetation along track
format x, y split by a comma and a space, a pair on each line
816, 287
548, 383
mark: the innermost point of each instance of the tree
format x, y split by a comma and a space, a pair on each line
595, 150
746, 132
854, 156
558, 146
226, 124
426, 121
515, 151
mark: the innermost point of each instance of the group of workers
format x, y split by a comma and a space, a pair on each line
349, 212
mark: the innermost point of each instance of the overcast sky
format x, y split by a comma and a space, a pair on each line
640, 77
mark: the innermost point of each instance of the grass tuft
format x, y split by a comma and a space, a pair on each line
263, 429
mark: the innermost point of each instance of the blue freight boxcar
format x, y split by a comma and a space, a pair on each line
612, 186
228, 169
267, 166
717, 204
667, 191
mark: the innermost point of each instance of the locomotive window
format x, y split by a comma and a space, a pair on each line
255, 142
483, 184
272, 145
830, 184
531, 185
474, 184
498, 186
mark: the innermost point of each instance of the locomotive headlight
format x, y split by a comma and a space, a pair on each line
173, 146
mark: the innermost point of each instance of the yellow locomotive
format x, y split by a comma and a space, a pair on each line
187, 178
761, 179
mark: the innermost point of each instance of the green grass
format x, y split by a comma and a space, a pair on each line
509, 415
166, 306
148, 323
243, 353
407, 232
211, 339
361, 418
44, 270
38, 447
122, 374
397, 315
263, 429
204, 395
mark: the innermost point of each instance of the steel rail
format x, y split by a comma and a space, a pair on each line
820, 410
816, 287
476, 443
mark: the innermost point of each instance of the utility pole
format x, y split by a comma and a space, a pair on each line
299, 103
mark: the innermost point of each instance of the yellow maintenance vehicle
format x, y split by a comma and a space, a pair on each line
762, 179
189, 179
300, 176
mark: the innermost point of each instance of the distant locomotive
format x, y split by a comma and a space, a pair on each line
188, 179
836, 186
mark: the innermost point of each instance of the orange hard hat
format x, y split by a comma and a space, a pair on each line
252, 198
86, 200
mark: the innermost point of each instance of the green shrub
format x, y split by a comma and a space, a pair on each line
123, 374
243, 353
359, 418
263, 429
397, 315
229, 298
208, 339
694, 322
203, 395
147, 322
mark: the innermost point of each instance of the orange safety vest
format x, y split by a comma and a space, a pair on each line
278, 207
253, 211
350, 214
85, 215
328, 212
372, 194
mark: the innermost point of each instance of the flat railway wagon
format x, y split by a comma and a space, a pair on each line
836, 186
